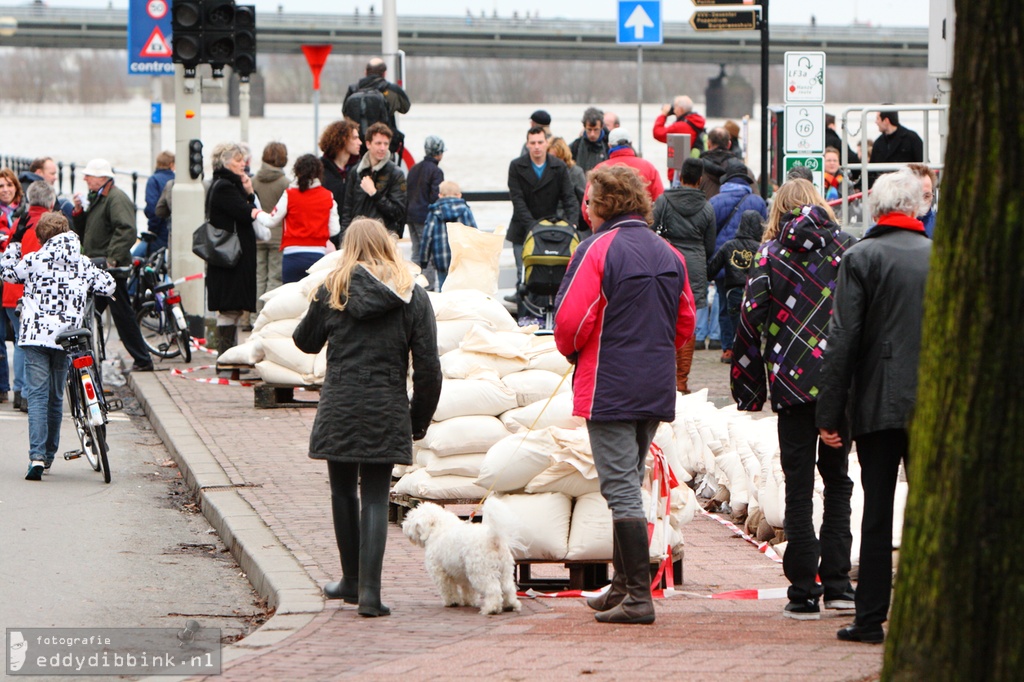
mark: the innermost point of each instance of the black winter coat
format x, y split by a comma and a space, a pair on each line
588, 154
365, 414
231, 209
685, 218
535, 198
902, 145
387, 205
874, 336
424, 179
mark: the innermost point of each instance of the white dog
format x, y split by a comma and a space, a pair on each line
470, 563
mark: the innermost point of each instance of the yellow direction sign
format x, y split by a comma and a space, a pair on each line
744, 20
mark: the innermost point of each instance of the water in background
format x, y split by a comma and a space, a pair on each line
481, 139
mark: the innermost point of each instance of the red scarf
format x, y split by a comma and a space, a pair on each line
902, 221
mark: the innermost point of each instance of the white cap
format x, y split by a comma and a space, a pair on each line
99, 168
618, 137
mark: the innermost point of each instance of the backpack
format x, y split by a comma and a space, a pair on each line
698, 142
548, 248
367, 106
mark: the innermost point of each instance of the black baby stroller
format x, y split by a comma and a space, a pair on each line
547, 251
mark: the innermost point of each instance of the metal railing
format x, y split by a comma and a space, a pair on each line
20, 164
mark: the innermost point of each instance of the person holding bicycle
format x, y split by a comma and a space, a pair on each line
57, 280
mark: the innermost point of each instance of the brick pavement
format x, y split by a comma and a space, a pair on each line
263, 455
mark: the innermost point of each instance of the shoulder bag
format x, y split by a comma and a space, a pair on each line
217, 247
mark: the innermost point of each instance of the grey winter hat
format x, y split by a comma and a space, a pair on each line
618, 137
433, 145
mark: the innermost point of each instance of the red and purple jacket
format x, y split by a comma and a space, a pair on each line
623, 308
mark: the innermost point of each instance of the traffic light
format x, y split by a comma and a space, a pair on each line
186, 27
195, 159
218, 33
244, 62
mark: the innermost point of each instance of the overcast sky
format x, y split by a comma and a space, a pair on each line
875, 12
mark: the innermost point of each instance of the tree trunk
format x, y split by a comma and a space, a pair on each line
958, 610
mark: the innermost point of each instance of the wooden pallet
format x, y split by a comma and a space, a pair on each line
269, 396
236, 370
587, 574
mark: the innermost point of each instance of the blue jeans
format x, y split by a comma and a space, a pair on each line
5, 375
729, 317
707, 320
46, 370
294, 265
19, 356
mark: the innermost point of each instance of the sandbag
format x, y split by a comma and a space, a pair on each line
532, 385
515, 460
278, 329
248, 353
564, 478
547, 516
462, 397
461, 435
450, 334
475, 256
273, 373
327, 263
549, 360
455, 465
284, 352
289, 303
506, 344
421, 484
311, 282
590, 533
473, 305
462, 364
542, 414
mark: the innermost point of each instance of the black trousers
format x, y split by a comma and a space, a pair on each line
880, 454
125, 322
807, 557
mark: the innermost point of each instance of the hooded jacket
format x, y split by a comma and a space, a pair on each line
424, 180
737, 255
623, 155
269, 184
624, 304
786, 308
57, 279
735, 197
685, 218
365, 414
715, 164
874, 337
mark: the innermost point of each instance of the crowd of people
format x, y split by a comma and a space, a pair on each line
824, 326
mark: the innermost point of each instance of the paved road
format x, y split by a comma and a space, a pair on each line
134, 553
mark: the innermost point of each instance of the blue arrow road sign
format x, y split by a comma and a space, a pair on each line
639, 22
149, 38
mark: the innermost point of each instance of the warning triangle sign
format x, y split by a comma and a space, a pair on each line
156, 45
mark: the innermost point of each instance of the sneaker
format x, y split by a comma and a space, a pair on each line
841, 602
866, 634
35, 471
802, 610
726, 356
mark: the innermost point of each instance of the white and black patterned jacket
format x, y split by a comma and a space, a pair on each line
57, 278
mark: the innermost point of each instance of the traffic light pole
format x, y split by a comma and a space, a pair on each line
188, 195
243, 108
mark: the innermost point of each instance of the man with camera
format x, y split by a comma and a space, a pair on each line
688, 122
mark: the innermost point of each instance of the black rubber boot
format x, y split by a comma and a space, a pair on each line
614, 595
345, 511
226, 338
638, 606
373, 536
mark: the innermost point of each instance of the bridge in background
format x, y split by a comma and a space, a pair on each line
502, 38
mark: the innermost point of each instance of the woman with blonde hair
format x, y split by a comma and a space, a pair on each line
371, 315
786, 310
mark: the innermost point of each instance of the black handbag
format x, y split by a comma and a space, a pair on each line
218, 247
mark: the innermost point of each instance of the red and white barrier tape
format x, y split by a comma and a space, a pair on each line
662, 482
208, 380
200, 345
746, 595
188, 278
762, 547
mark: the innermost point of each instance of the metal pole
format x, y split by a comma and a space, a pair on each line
188, 195
243, 107
316, 117
389, 36
155, 140
764, 98
639, 100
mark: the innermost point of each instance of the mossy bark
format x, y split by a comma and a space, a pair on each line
958, 609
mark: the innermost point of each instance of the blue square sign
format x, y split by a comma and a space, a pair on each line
639, 22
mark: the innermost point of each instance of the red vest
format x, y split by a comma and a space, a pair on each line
306, 223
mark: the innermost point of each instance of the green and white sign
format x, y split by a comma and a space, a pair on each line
816, 164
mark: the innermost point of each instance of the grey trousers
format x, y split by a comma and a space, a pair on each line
416, 237
620, 450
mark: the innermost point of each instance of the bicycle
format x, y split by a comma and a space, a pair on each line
87, 404
158, 308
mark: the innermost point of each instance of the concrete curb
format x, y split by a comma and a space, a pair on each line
270, 567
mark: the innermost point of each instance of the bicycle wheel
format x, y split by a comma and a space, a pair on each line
98, 441
159, 332
79, 414
184, 338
